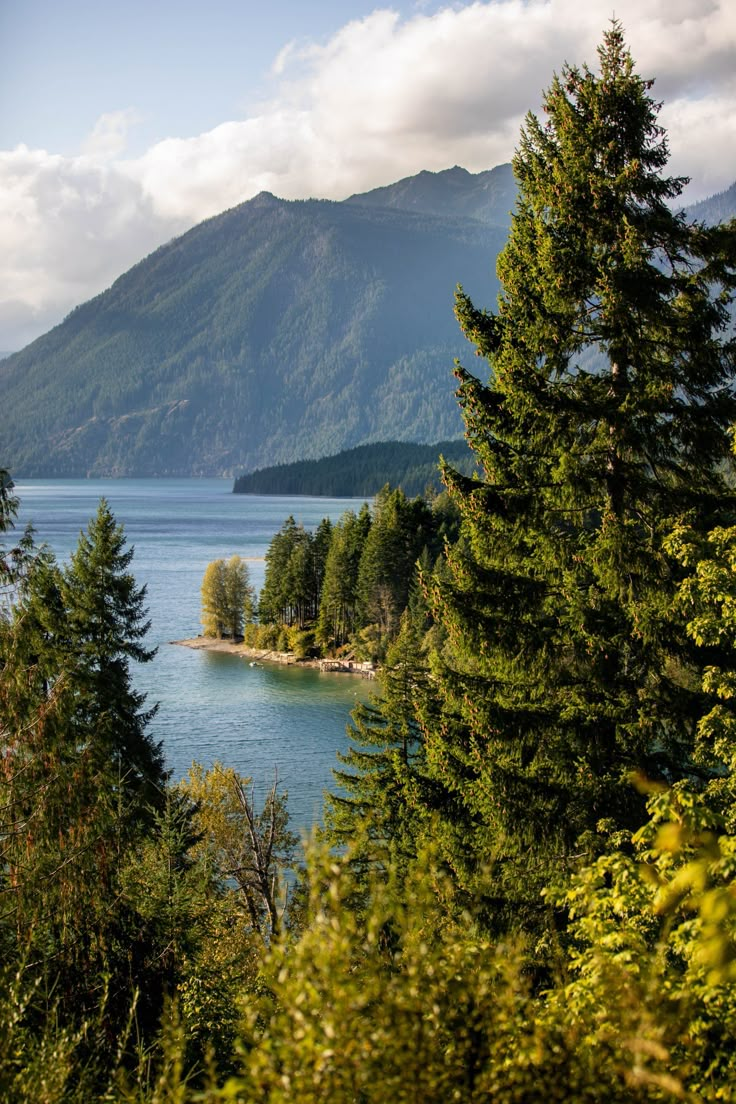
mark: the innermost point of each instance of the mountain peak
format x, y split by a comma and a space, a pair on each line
487, 196
264, 199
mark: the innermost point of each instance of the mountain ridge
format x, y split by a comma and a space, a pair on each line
278, 330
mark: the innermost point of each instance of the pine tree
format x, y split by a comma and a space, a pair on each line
381, 792
15, 560
401, 529
338, 599
81, 775
605, 419
275, 600
107, 626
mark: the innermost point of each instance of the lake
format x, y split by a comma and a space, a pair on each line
212, 706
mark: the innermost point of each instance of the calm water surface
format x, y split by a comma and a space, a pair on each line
213, 706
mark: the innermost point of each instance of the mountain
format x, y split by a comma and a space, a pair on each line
488, 196
362, 471
717, 208
276, 331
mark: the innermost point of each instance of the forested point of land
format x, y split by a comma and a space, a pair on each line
412, 468
341, 591
524, 888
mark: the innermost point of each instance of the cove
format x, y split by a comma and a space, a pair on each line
212, 706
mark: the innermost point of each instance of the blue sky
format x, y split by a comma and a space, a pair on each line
123, 124
183, 65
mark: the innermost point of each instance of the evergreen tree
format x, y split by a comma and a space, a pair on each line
107, 627
401, 529
338, 600
382, 790
565, 666
299, 582
81, 774
13, 561
274, 604
321, 542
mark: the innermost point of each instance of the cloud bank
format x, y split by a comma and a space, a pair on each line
380, 100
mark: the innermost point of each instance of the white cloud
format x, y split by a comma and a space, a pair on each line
69, 226
383, 98
110, 133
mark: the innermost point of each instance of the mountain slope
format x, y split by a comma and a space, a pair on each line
275, 331
488, 196
717, 208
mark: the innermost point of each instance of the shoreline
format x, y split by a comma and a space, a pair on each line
284, 659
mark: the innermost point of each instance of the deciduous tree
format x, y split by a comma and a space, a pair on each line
228, 599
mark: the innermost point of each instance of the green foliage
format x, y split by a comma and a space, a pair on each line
651, 967
565, 663
81, 776
401, 530
403, 1003
375, 808
228, 599
532, 895
13, 561
338, 610
250, 847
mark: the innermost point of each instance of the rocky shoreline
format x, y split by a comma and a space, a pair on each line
287, 659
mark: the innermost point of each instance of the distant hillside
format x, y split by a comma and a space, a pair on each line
273, 332
277, 331
488, 196
361, 471
718, 208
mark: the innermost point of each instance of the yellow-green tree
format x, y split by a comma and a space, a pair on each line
228, 598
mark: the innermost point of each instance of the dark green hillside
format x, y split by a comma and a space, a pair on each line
275, 331
361, 471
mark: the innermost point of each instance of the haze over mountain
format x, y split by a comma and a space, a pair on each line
276, 331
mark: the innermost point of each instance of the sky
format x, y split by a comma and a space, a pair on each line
124, 124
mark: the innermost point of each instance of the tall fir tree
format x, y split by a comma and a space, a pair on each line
401, 529
81, 775
565, 665
382, 782
16, 559
107, 626
338, 599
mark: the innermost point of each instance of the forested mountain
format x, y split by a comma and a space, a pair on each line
717, 208
273, 332
488, 196
361, 471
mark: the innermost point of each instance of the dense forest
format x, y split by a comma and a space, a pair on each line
414, 469
523, 888
340, 591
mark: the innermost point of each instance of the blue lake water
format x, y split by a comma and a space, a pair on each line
212, 706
